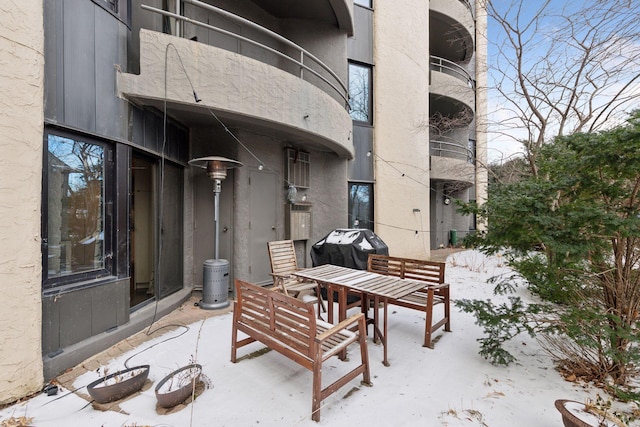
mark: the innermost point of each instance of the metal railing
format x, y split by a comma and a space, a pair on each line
448, 147
451, 68
335, 83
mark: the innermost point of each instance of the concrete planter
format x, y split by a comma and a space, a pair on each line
176, 387
575, 414
119, 384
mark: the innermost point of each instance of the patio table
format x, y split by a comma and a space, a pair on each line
372, 286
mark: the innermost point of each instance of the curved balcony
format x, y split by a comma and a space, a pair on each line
448, 147
251, 77
451, 160
451, 29
235, 33
452, 88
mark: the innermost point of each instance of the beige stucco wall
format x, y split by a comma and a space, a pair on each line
401, 143
21, 119
481, 107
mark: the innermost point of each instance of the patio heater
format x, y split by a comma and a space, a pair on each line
215, 279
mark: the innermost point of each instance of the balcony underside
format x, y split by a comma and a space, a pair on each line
451, 29
339, 12
241, 91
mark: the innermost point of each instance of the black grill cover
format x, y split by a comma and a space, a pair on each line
348, 248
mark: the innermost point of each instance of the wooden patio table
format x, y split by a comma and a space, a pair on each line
372, 286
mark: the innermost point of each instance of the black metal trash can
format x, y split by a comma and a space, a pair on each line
215, 284
347, 247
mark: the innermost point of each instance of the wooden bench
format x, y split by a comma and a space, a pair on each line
435, 291
290, 327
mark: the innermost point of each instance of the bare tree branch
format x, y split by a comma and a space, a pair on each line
557, 70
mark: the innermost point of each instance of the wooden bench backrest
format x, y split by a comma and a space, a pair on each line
426, 271
286, 323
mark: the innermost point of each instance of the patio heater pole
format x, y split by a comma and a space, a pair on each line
215, 286
217, 187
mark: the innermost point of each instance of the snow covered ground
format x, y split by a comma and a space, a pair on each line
450, 385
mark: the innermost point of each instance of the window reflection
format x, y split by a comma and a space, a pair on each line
360, 92
361, 206
75, 227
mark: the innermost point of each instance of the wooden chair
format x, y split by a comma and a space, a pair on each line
284, 263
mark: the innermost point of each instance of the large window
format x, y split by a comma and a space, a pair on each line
76, 237
360, 97
361, 205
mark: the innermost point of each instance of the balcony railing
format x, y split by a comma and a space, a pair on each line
448, 147
451, 68
301, 58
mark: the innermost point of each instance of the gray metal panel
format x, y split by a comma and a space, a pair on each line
121, 291
360, 46
79, 64
110, 51
103, 308
53, 63
50, 325
361, 167
152, 132
172, 236
72, 317
105, 57
75, 317
137, 126
141, 19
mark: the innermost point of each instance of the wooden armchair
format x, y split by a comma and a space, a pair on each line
284, 263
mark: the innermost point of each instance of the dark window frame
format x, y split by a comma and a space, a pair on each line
471, 151
369, 100
109, 220
369, 220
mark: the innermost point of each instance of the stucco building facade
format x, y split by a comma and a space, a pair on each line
327, 104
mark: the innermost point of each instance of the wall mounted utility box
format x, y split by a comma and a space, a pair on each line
298, 221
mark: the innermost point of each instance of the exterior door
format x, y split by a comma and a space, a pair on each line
263, 200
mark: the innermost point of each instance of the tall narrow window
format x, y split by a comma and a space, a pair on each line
471, 151
76, 237
360, 99
361, 205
